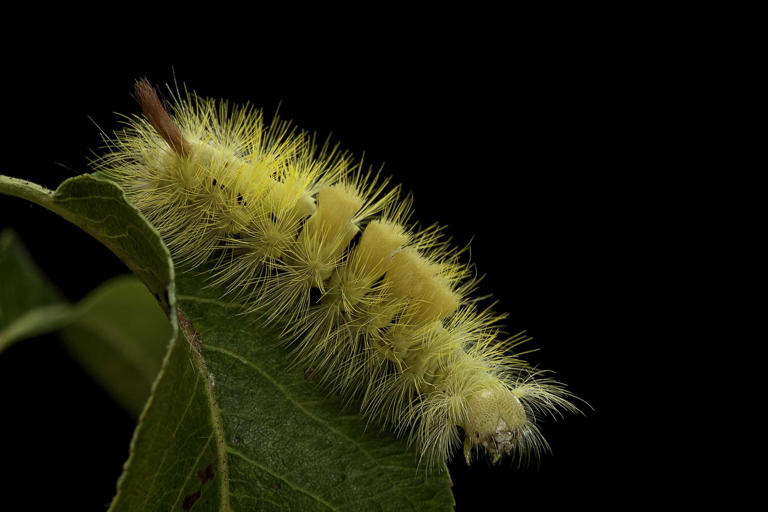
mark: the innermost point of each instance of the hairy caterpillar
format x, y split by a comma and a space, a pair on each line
382, 311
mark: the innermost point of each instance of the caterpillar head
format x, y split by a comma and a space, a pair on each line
495, 421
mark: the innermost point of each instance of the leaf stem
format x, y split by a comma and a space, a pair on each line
24, 189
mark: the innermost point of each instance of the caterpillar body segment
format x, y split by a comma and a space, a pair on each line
383, 312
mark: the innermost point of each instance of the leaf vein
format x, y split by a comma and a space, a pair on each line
291, 484
301, 407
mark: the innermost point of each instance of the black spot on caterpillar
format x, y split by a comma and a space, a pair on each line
383, 313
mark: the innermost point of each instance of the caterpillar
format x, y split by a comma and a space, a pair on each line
384, 311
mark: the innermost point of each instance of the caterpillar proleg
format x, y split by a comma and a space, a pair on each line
384, 312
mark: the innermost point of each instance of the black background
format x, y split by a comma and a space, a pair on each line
534, 145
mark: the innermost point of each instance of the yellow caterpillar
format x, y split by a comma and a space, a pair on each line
384, 312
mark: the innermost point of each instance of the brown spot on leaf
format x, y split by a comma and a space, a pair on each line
310, 374
205, 475
189, 331
190, 500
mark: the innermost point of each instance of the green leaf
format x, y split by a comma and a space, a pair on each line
98, 206
29, 304
118, 332
120, 335
230, 425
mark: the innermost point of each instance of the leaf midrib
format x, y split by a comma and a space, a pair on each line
191, 336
